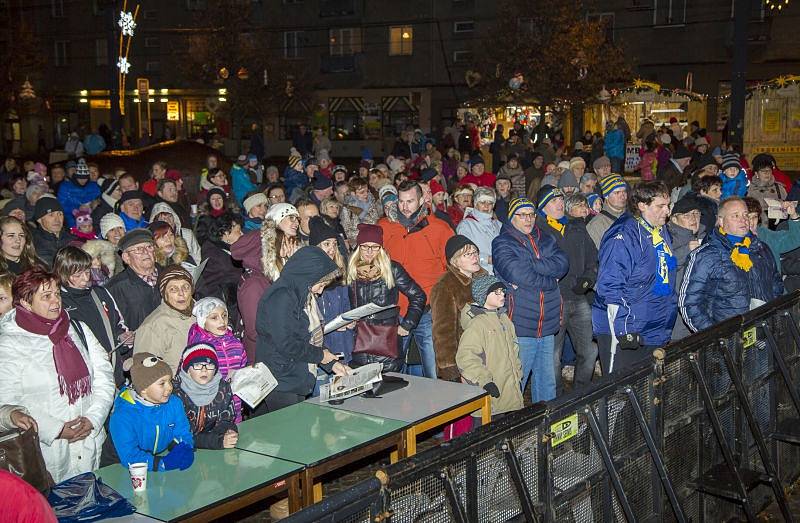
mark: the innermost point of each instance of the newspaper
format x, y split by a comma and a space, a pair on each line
358, 381
253, 384
775, 209
354, 314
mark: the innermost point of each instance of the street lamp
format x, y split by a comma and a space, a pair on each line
777, 4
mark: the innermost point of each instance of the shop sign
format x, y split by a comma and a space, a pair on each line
771, 121
173, 111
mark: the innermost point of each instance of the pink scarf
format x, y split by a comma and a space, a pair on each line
73, 375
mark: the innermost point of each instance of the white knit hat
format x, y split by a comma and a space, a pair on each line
108, 222
204, 306
484, 194
279, 211
256, 199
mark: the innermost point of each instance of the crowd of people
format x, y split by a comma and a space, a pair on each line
127, 307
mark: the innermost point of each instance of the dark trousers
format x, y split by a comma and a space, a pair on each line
622, 358
578, 324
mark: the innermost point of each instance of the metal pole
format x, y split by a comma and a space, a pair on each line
741, 14
113, 79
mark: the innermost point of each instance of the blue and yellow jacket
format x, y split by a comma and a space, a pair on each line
143, 433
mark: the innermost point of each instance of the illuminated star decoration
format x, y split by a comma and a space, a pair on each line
123, 64
126, 23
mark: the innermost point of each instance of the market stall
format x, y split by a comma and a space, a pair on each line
772, 121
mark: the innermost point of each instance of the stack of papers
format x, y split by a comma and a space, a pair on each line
358, 381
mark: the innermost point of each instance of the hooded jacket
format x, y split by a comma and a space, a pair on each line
187, 234
240, 180
714, 289
736, 186
29, 379
282, 323
628, 264
252, 286
488, 352
581, 252
71, 195
164, 334
481, 228
532, 264
142, 432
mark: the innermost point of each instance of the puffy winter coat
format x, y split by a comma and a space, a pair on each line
294, 182
252, 286
164, 333
208, 423
627, 273
240, 180
48, 244
615, 144
580, 250
736, 186
481, 228
531, 264
71, 195
714, 289
488, 352
420, 250
135, 299
375, 291
142, 433
29, 379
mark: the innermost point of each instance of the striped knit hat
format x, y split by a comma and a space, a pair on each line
730, 160
199, 353
546, 194
611, 183
519, 203
170, 274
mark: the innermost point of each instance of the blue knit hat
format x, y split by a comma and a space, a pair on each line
611, 183
546, 194
591, 198
519, 203
483, 285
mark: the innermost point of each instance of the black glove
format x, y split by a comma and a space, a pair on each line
492, 389
582, 286
630, 341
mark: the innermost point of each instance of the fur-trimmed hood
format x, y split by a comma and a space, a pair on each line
104, 250
269, 251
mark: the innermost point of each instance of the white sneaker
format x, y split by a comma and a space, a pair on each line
568, 373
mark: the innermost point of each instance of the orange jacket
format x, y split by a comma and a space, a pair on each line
420, 251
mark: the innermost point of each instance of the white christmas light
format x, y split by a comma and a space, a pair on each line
126, 23
123, 64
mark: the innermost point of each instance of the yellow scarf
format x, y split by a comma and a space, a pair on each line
557, 225
740, 254
655, 234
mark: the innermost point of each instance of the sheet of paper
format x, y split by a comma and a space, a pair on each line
775, 209
354, 314
253, 384
358, 381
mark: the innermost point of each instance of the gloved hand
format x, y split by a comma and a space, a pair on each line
180, 457
582, 286
492, 389
631, 341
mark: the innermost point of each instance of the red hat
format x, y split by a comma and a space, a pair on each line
436, 187
173, 174
672, 119
369, 234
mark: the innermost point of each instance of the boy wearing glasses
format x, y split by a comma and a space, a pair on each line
488, 353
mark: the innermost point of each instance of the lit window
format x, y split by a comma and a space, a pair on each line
401, 40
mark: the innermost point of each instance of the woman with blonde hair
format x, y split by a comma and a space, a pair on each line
372, 277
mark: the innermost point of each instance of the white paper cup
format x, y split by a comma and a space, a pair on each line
138, 476
194, 208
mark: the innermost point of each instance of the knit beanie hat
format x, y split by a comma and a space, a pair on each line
436, 187
323, 155
253, 200
368, 233
730, 160
45, 205
546, 194
198, 353
212, 192
134, 194
82, 217
172, 273
610, 184
295, 162
81, 170
146, 369
319, 231
428, 174
482, 286
279, 211
567, 179
483, 194
456, 243
388, 193
322, 182
475, 161
110, 221
204, 306
108, 186
519, 203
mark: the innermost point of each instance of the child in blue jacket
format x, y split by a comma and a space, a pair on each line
148, 424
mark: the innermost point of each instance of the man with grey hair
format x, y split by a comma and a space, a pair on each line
587, 183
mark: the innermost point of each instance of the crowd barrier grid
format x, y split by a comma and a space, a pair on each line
708, 429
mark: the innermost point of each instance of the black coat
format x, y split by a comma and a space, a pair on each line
283, 342
81, 307
582, 254
209, 423
48, 244
220, 278
671, 175
135, 298
375, 291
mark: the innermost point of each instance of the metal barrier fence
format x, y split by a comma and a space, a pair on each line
707, 430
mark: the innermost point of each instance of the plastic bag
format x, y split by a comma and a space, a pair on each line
86, 498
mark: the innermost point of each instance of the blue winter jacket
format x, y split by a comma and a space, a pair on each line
294, 180
131, 224
141, 432
626, 275
242, 185
334, 301
531, 264
72, 196
615, 144
734, 186
251, 224
714, 289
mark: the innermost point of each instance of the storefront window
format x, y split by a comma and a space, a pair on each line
345, 116
398, 114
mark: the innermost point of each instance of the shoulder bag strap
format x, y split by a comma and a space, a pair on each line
107, 325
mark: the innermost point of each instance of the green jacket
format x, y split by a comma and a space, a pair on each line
488, 352
781, 241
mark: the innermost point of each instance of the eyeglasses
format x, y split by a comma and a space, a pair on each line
369, 248
142, 249
204, 366
470, 254
277, 197
526, 215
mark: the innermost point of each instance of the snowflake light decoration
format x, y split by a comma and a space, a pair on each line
123, 64
126, 23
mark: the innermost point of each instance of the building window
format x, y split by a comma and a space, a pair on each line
345, 41
152, 67
101, 51
60, 53
606, 21
345, 117
669, 12
57, 8
401, 40
398, 114
462, 57
151, 41
291, 44
466, 26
